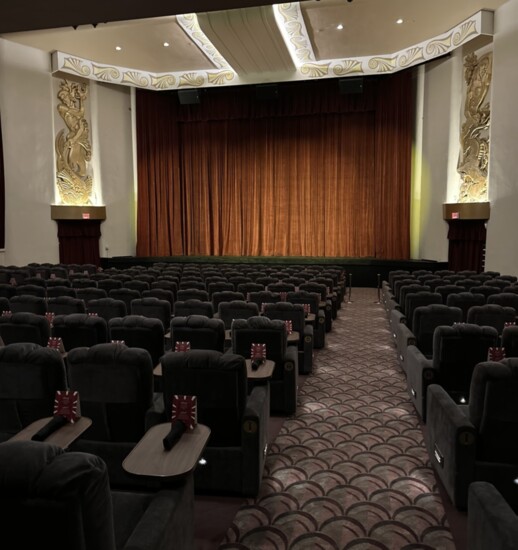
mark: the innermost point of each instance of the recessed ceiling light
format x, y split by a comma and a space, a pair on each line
399, 21
339, 26
118, 48
166, 44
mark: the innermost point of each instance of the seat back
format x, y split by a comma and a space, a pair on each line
107, 308
225, 296
127, 295
28, 303
200, 331
260, 330
219, 382
139, 332
456, 351
53, 291
115, 384
108, 284
264, 297
91, 293
25, 327
464, 300
427, 318
31, 290
417, 299
493, 410
492, 315
154, 308
65, 305
135, 284
445, 290
236, 309
192, 294
30, 375
80, 329
184, 308
486, 290
505, 299
410, 288
286, 311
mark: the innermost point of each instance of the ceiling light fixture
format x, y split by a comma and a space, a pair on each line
166, 44
399, 21
118, 48
339, 27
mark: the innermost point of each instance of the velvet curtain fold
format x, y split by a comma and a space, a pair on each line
314, 173
79, 241
467, 243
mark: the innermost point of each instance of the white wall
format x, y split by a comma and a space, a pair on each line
26, 110
427, 204
27, 133
501, 249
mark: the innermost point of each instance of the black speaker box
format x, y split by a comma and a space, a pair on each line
266, 91
353, 85
188, 97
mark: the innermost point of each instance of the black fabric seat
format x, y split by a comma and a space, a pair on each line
115, 384
235, 452
80, 330
65, 305
107, 308
139, 332
294, 313
30, 375
154, 308
24, 327
272, 333
51, 498
200, 331
477, 442
184, 308
456, 351
28, 303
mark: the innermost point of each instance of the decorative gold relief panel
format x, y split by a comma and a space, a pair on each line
474, 136
73, 149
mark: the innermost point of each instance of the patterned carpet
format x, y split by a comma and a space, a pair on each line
350, 470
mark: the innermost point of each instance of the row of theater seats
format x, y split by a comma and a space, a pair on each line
115, 385
461, 367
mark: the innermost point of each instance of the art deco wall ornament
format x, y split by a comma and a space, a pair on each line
474, 138
73, 149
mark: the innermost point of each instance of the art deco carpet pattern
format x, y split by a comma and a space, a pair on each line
350, 469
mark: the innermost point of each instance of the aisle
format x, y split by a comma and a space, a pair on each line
350, 469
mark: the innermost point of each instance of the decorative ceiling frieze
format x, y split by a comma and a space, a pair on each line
296, 37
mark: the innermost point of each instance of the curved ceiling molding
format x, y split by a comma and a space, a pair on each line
291, 27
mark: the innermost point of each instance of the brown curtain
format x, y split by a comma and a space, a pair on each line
467, 245
314, 173
79, 241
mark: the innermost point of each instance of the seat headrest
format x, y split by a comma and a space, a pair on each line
259, 322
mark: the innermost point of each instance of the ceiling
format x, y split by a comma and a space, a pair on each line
254, 43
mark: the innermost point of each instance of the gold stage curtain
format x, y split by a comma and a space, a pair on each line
312, 173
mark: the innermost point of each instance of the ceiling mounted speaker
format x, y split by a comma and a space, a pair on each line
266, 91
188, 97
351, 85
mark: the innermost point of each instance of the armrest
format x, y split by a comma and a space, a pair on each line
451, 442
307, 348
396, 317
404, 337
420, 374
254, 435
169, 516
492, 523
